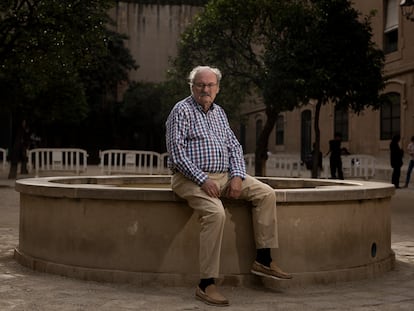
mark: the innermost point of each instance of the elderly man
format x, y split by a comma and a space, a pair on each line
207, 163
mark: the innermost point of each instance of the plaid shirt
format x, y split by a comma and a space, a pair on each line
201, 142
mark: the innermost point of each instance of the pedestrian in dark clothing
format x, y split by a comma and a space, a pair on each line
396, 159
410, 149
335, 160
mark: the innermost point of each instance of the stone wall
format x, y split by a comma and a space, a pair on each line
153, 32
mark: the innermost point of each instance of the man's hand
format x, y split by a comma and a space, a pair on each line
234, 188
211, 188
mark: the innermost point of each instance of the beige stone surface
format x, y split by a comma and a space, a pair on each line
97, 230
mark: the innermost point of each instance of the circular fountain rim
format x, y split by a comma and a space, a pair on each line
107, 187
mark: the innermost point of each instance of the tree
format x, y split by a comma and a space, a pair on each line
286, 53
144, 110
332, 59
225, 35
236, 37
49, 50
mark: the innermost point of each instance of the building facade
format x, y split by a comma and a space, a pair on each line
369, 132
153, 31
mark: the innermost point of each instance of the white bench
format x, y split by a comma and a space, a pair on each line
57, 159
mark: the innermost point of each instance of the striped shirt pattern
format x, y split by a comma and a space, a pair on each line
199, 143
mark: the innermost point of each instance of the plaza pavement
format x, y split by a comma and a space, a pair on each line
24, 289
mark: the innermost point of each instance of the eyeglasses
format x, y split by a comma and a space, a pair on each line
201, 86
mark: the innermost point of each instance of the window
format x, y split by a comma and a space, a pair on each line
280, 130
391, 27
390, 116
341, 122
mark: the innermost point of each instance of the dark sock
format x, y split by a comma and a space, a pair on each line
205, 282
263, 256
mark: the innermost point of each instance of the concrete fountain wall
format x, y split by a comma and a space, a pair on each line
135, 229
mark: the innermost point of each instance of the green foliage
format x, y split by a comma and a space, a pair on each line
144, 111
59, 70
102, 77
227, 34
170, 2
348, 64
45, 44
290, 51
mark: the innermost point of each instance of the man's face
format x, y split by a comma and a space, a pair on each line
205, 88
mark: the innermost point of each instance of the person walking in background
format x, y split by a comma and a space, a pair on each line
335, 160
410, 150
396, 159
207, 164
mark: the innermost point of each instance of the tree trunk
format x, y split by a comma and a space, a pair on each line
261, 145
12, 171
18, 150
317, 143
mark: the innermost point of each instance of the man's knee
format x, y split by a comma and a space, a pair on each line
269, 192
269, 198
219, 214
215, 214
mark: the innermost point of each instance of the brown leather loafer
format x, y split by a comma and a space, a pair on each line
273, 271
211, 296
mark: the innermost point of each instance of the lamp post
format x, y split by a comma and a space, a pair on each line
407, 9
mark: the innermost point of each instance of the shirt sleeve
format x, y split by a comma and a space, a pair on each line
177, 127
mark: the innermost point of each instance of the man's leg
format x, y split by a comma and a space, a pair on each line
340, 171
396, 174
264, 216
332, 165
409, 171
212, 218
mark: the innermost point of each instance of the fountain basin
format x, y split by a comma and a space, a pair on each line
135, 229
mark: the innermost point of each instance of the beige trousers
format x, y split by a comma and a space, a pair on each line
212, 216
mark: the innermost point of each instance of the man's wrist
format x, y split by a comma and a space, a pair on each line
202, 180
238, 174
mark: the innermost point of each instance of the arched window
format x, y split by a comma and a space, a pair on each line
341, 122
390, 116
280, 130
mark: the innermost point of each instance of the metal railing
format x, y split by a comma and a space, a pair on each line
284, 165
133, 162
57, 159
359, 166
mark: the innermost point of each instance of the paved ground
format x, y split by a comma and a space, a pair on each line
24, 289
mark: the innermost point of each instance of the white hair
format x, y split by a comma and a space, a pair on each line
198, 69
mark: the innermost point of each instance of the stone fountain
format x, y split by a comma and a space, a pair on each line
135, 229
